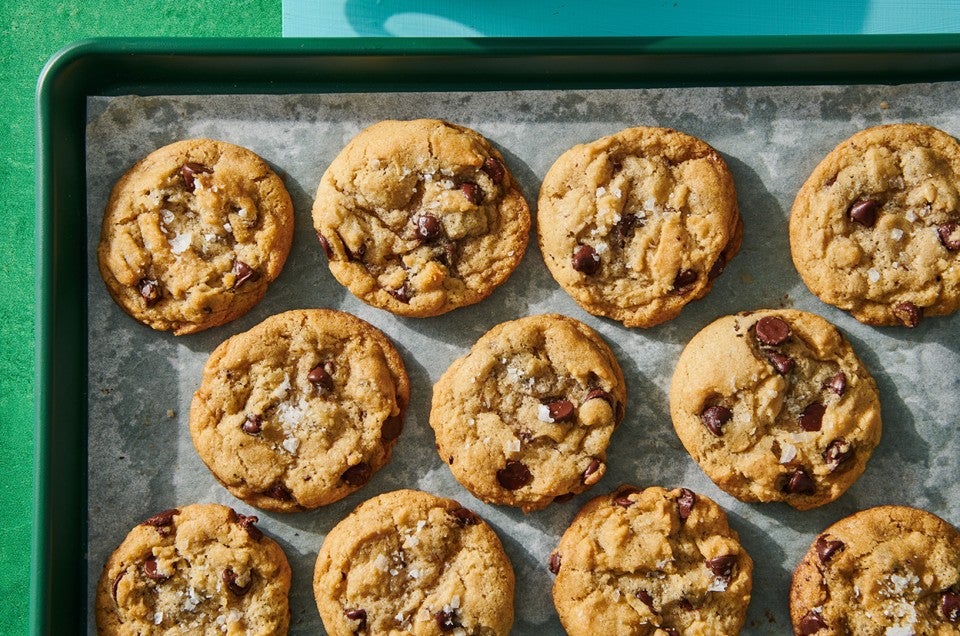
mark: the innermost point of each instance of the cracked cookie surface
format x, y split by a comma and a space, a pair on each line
193, 234
301, 410
420, 217
527, 414
651, 562
408, 562
637, 224
774, 405
875, 229
202, 569
883, 571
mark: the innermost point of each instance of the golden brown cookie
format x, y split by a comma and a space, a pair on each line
651, 562
885, 571
407, 562
774, 405
636, 225
198, 569
526, 416
875, 230
301, 410
193, 234
420, 217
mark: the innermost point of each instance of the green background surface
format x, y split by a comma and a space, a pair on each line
32, 31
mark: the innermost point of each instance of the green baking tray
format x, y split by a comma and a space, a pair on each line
273, 66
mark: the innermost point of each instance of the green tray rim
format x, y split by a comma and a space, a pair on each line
111, 66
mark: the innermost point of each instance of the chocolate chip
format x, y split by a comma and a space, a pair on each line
799, 483
561, 410
714, 417
838, 451
811, 623
252, 425
812, 417
116, 583
864, 211
449, 256
684, 282
949, 236
685, 503
826, 548
494, 169
401, 293
772, 331
685, 604
230, 579
950, 606
718, 266
590, 474
189, 171
428, 227
554, 563
150, 569
622, 497
645, 598
837, 384
279, 491
243, 273
247, 523
162, 519
149, 290
446, 620
598, 394
624, 228
514, 475
586, 260
391, 428
722, 566
464, 516
357, 615
472, 191
908, 313
357, 475
321, 376
564, 498
782, 363
325, 244
356, 256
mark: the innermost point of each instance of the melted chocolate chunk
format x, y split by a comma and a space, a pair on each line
645, 598
428, 227
685, 281
230, 580
585, 260
514, 475
446, 620
908, 313
391, 428
782, 363
772, 331
837, 384
799, 483
722, 566
812, 417
590, 471
357, 614
624, 229
162, 519
188, 173
714, 417
247, 523
811, 623
464, 516
472, 192
949, 236
826, 548
561, 410
357, 475
838, 451
149, 290
321, 376
279, 491
401, 293
252, 425
243, 273
494, 169
864, 212
950, 606
685, 503
150, 570
622, 497
325, 244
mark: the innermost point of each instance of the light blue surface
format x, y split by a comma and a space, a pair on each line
429, 18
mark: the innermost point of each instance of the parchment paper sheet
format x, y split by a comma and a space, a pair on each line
141, 459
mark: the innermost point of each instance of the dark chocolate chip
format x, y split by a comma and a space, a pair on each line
598, 394
950, 606
622, 497
472, 191
590, 476
321, 376
685, 280
838, 451
325, 244
722, 566
564, 498
714, 417
812, 417
908, 313
514, 475
826, 548
685, 604
356, 256
357, 614
243, 273
247, 522
586, 260
279, 491
561, 410
799, 483
449, 256
230, 579
428, 227
645, 598
718, 266
116, 583
464, 516
811, 623
401, 293
162, 519
624, 229
782, 363
357, 475
391, 428
949, 236
149, 290
772, 331
864, 211
252, 425
189, 171
837, 384
150, 569
685, 503
554, 563
494, 169
446, 620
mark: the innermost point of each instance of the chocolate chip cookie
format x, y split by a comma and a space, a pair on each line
636, 225
202, 569
301, 410
407, 562
775, 406
887, 570
420, 217
875, 230
526, 416
193, 234
651, 561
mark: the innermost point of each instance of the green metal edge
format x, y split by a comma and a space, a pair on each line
197, 66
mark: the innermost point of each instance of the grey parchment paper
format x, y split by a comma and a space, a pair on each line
141, 459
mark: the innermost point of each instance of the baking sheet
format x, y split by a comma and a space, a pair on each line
140, 382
